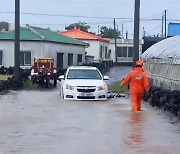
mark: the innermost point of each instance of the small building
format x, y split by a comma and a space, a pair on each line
149, 41
5, 26
173, 29
124, 51
98, 46
41, 43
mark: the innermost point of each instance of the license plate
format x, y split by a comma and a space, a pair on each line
86, 94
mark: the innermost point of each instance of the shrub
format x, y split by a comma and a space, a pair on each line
28, 84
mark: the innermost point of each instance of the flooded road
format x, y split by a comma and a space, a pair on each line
40, 122
117, 73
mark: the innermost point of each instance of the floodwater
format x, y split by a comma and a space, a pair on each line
40, 122
117, 73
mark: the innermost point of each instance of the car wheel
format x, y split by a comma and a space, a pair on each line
47, 82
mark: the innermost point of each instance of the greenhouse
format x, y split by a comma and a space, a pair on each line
162, 63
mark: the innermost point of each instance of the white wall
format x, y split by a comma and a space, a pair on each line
94, 48
103, 44
8, 51
41, 49
36, 49
7, 48
122, 43
51, 50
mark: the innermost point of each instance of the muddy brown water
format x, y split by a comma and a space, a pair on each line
40, 122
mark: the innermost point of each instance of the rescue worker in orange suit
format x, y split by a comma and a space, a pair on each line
138, 82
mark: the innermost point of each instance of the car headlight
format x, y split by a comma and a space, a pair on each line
103, 87
69, 87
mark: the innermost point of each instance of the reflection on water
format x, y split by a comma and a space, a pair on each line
40, 122
135, 138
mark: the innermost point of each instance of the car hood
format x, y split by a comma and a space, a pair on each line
85, 82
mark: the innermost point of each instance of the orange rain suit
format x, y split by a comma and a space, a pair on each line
138, 81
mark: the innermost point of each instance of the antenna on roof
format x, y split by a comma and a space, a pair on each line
35, 32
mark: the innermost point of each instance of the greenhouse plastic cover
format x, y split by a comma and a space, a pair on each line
165, 49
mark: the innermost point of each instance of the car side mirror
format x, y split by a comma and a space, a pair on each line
105, 78
61, 77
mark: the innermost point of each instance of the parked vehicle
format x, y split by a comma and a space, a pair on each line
83, 83
43, 72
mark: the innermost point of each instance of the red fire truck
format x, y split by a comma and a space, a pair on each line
43, 72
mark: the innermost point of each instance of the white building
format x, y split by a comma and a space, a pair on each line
41, 43
98, 46
124, 51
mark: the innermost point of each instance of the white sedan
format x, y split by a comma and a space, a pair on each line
83, 83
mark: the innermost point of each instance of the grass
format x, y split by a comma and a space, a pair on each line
30, 85
117, 89
4, 77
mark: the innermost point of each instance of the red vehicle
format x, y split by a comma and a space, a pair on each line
43, 72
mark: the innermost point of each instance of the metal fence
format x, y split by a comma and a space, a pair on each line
163, 75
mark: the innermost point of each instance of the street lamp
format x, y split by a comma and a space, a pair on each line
17, 40
136, 31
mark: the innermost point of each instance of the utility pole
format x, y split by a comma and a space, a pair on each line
126, 34
17, 40
144, 32
165, 22
122, 31
162, 32
98, 30
115, 43
136, 31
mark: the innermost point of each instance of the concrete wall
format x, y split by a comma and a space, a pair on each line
39, 50
163, 75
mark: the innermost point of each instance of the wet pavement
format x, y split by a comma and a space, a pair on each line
40, 122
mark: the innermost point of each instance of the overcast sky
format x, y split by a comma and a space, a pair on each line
60, 13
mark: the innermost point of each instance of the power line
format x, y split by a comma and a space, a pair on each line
73, 16
82, 2
61, 24
61, 15
123, 3
154, 14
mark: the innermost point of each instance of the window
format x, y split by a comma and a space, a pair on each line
109, 54
83, 74
101, 51
130, 52
25, 58
124, 53
106, 54
121, 51
79, 58
1, 54
70, 59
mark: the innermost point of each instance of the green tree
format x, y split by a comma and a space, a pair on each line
109, 32
83, 26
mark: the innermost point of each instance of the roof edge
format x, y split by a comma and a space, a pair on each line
35, 32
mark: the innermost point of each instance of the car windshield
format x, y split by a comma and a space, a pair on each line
83, 74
